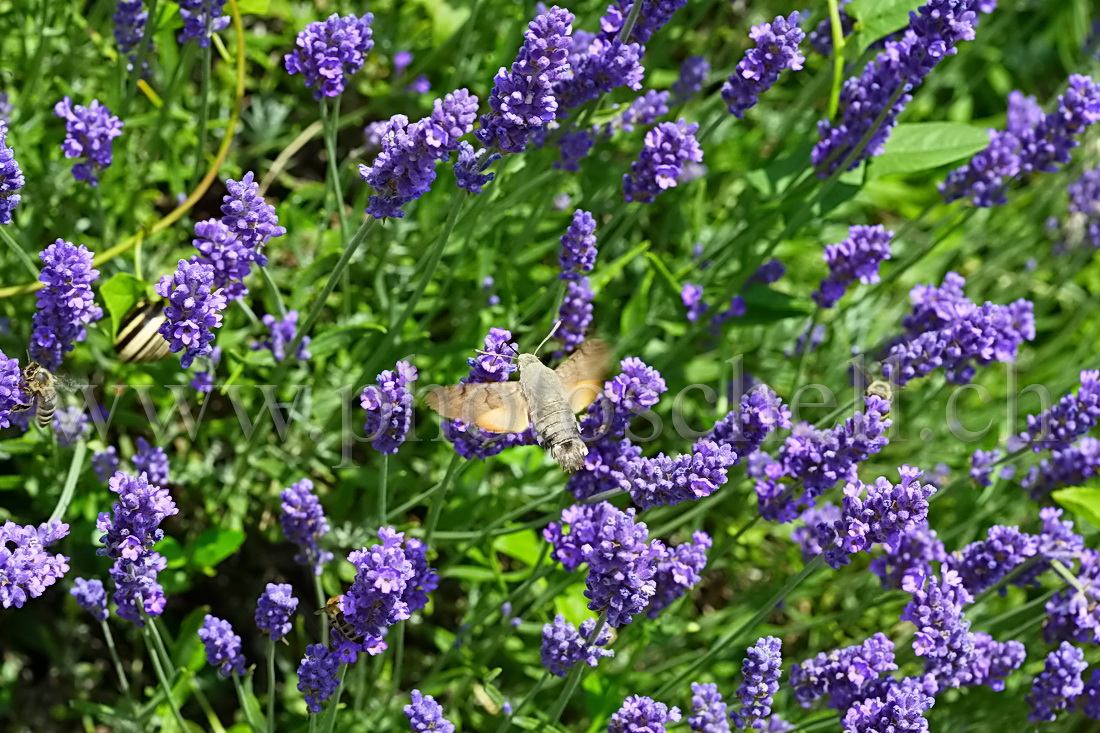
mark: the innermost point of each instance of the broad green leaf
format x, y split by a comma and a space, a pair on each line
523, 546
1085, 503
604, 275
335, 338
573, 605
120, 293
878, 18
7, 483
173, 552
919, 146
215, 545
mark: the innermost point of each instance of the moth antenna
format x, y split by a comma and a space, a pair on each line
550, 335
493, 353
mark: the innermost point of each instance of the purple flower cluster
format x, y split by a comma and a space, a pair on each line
389, 408
644, 111
1084, 200
1058, 685
392, 581
247, 215
425, 714
404, 169
69, 425
91, 596
870, 103
692, 297
230, 260
523, 98
274, 608
88, 134
666, 149
136, 588
633, 391
821, 37
129, 19
693, 75
135, 526
1031, 143
808, 535
889, 512
11, 178
604, 467
575, 314
65, 305
281, 335
818, 459
943, 635
194, 308
846, 675
856, 258
652, 16
667, 481
303, 521
760, 413
902, 708
578, 247
469, 169
573, 147
980, 565
223, 646
1073, 416
678, 570
994, 661
708, 711
105, 463
563, 646
317, 676
776, 50
760, 681
597, 64
1072, 614
26, 569
201, 20
152, 461
908, 560
329, 52
1071, 466
640, 714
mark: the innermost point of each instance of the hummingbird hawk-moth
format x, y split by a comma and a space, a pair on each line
546, 398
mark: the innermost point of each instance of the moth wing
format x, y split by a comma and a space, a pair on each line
583, 372
495, 407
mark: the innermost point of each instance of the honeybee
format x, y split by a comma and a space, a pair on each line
880, 388
339, 621
138, 339
875, 387
40, 387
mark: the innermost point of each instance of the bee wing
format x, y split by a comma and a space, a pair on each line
495, 407
583, 372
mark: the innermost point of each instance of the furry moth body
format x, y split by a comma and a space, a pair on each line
545, 398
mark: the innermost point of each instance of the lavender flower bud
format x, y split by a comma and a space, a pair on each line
678, 571
329, 52
563, 646
389, 408
425, 714
692, 297
69, 425
575, 314
776, 50
317, 676
640, 714
135, 525
857, 257
11, 178
708, 712
469, 169
843, 674
88, 134
574, 146
152, 461
578, 247
274, 608
1072, 417
282, 335
901, 708
693, 74
303, 521
89, 594
223, 646
194, 309
66, 303
667, 147
1059, 684
201, 20
908, 560
27, 568
760, 674
105, 463
137, 591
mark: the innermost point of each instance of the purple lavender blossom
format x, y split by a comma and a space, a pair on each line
88, 134
317, 675
223, 646
640, 714
90, 596
1084, 200
496, 361
760, 681
936, 307
597, 65
776, 50
736, 309
901, 708
870, 103
843, 674
11, 393
760, 413
578, 247
1073, 416
821, 37
303, 521
636, 389
693, 74
1032, 143
643, 111
981, 466
105, 463
908, 560
329, 52
678, 571
420, 85
1072, 614
424, 579
806, 535
282, 335
574, 147
425, 714
11, 177
575, 314
667, 147
604, 467
401, 61
66, 303
230, 259
980, 565
137, 592
1091, 696
708, 711
274, 608
622, 562
667, 481
252, 219
523, 100
943, 635
692, 297
856, 258
135, 525
769, 272
1059, 684
69, 425
194, 308
584, 522
563, 646
26, 569
1072, 466
652, 16
129, 19
469, 169
152, 461
994, 661
389, 408
204, 380
404, 169
201, 20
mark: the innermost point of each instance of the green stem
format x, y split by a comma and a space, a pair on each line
735, 634
270, 282
330, 118
75, 466
313, 722
383, 489
838, 57
398, 659
320, 593
148, 634
204, 112
20, 253
335, 704
271, 685
577, 673
123, 681
254, 723
437, 503
631, 19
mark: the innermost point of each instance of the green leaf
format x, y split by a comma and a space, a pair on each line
215, 545
120, 293
7, 483
668, 280
523, 546
876, 19
919, 146
764, 305
637, 308
604, 275
339, 337
173, 552
572, 604
253, 7
1085, 503
187, 652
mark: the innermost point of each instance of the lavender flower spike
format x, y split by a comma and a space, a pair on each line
575, 314
274, 608
329, 52
223, 646
578, 247
66, 303
776, 50
134, 525
88, 134
26, 569
11, 178
760, 672
129, 19
152, 461
247, 215
303, 521
317, 676
640, 714
708, 711
91, 596
563, 646
282, 335
470, 167
389, 408
667, 147
856, 258
902, 708
693, 74
425, 714
678, 571
201, 20
1072, 417
137, 592
193, 310
1059, 684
